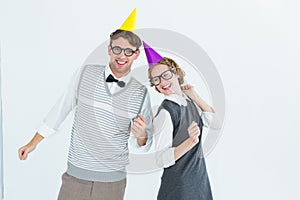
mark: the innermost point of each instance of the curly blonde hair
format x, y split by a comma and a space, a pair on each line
171, 64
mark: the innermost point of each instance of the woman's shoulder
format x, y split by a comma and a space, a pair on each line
173, 109
168, 104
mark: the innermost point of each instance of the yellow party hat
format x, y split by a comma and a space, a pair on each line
129, 23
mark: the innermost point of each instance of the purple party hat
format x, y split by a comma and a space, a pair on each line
152, 56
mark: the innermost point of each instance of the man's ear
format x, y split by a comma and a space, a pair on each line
137, 53
109, 50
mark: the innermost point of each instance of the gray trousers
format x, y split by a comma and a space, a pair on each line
76, 189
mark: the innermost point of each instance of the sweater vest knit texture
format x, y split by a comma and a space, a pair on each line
99, 139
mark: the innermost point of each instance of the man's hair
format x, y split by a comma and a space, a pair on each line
132, 38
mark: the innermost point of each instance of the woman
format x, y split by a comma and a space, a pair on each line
178, 130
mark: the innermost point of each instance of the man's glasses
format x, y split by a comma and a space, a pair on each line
166, 75
127, 51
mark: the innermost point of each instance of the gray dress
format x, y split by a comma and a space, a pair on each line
188, 178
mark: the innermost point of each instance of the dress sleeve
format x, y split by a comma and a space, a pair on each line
163, 136
64, 105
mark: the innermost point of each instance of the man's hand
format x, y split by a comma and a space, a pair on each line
25, 150
138, 129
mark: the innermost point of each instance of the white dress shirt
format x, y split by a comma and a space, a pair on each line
163, 131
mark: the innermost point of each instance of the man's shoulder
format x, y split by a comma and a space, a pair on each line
138, 84
93, 66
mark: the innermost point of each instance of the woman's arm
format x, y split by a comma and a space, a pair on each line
166, 155
191, 93
209, 116
189, 143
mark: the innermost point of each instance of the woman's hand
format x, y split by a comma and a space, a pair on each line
189, 91
194, 132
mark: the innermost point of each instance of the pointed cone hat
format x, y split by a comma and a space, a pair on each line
129, 23
152, 56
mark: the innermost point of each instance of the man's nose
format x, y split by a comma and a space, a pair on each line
122, 54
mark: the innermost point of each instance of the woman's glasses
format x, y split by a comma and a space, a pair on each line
166, 75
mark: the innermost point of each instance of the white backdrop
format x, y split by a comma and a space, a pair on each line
254, 45
1, 136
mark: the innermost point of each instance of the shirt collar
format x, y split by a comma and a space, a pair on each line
108, 71
180, 100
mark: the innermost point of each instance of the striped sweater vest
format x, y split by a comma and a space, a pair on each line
101, 128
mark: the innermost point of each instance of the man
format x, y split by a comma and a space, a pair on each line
108, 104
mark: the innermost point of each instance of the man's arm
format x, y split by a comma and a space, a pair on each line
144, 137
54, 118
26, 149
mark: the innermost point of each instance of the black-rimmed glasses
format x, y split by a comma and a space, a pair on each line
166, 75
127, 51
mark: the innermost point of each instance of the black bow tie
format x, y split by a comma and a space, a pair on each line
110, 78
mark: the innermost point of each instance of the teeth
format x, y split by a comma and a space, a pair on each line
167, 86
120, 62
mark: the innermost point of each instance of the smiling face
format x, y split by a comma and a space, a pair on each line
169, 86
120, 64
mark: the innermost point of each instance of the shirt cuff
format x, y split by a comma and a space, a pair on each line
207, 118
165, 158
211, 120
134, 144
45, 130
